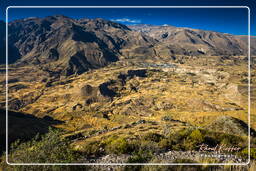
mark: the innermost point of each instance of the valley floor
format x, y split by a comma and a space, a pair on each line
139, 111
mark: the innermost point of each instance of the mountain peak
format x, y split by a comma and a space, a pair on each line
59, 16
82, 44
74, 45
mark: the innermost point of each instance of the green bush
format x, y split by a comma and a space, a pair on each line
191, 141
92, 148
196, 136
140, 157
119, 146
180, 135
179, 139
165, 144
227, 139
253, 153
152, 137
244, 153
48, 148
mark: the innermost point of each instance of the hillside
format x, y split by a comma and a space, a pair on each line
128, 94
67, 46
195, 42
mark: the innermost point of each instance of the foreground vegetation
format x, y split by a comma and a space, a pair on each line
48, 148
53, 148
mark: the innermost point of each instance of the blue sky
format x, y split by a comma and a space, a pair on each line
234, 21
227, 20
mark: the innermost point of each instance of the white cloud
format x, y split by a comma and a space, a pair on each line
165, 25
126, 20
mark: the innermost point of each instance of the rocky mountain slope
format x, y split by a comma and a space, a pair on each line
126, 91
2, 42
194, 41
67, 46
71, 46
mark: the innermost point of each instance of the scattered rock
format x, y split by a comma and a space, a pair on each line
166, 118
77, 107
230, 125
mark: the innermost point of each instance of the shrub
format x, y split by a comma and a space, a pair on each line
244, 153
92, 148
180, 135
210, 140
227, 139
196, 136
145, 145
140, 157
153, 137
49, 148
253, 153
178, 147
119, 146
189, 139
165, 144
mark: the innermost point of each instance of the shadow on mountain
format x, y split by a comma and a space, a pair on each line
22, 126
2, 42
13, 54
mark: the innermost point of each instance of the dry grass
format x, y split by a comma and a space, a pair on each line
195, 93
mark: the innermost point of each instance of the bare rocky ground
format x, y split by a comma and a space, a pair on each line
171, 156
165, 158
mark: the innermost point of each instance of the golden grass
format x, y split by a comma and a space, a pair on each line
190, 103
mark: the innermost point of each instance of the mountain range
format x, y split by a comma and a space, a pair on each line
72, 46
195, 41
123, 93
